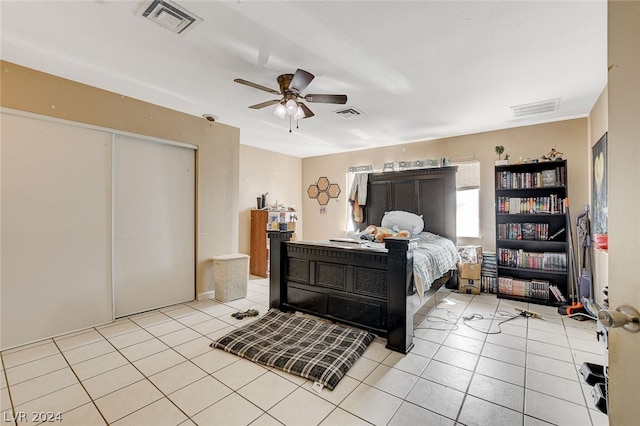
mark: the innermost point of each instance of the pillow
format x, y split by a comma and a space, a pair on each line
400, 220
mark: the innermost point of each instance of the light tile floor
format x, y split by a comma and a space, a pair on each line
157, 368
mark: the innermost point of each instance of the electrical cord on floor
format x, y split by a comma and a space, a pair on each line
508, 317
432, 318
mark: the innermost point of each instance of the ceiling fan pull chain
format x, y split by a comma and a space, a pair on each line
289, 124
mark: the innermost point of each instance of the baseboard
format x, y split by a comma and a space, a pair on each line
207, 295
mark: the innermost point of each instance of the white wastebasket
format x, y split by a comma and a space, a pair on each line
230, 276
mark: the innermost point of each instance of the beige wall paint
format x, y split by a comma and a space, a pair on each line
598, 119
568, 137
261, 172
217, 159
624, 204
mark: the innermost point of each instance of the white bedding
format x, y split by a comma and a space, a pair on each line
434, 256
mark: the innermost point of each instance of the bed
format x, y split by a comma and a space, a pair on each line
370, 286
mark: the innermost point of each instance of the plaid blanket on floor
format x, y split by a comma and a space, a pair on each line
302, 346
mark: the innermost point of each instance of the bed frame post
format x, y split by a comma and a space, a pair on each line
277, 267
400, 271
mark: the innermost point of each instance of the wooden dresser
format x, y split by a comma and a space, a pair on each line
259, 262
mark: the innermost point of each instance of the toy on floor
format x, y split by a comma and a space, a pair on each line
248, 313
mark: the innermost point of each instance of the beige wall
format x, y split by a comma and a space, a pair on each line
217, 159
568, 137
266, 172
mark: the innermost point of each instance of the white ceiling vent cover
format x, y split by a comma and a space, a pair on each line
536, 107
168, 15
348, 112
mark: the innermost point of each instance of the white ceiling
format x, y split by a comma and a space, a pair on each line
417, 70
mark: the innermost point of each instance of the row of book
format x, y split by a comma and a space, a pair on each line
518, 258
489, 273
523, 231
536, 289
519, 180
553, 204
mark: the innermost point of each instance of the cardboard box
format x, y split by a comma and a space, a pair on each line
470, 271
468, 286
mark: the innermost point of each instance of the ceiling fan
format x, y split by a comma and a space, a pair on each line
290, 103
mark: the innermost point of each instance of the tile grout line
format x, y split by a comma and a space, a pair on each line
4, 371
584, 397
475, 367
80, 382
145, 378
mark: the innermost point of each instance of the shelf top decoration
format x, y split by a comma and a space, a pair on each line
552, 155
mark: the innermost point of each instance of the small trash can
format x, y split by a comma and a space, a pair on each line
230, 276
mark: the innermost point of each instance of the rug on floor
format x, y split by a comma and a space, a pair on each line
298, 345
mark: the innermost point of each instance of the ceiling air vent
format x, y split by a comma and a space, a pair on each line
536, 107
348, 112
168, 15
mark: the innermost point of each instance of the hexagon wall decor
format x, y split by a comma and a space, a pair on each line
323, 191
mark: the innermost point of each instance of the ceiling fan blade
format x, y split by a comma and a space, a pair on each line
256, 86
300, 81
307, 112
327, 99
265, 104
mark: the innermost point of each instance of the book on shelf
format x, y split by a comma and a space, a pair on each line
549, 178
523, 231
551, 204
536, 289
489, 284
507, 179
557, 293
489, 273
519, 258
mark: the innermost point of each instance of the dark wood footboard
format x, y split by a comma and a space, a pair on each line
363, 287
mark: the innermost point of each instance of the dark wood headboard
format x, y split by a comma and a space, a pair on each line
427, 192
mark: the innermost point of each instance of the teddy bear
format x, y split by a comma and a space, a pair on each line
377, 234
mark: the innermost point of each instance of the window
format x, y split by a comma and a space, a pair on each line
468, 199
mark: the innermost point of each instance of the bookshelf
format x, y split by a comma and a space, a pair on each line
531, 232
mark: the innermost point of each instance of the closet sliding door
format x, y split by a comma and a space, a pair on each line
154, 225
56, 229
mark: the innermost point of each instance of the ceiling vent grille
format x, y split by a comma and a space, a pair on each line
348, 112
168, 15
536, 107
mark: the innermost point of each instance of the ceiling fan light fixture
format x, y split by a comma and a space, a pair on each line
280, 111
292, 107
299, 113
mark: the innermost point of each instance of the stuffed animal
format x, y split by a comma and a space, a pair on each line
382, 234
374, 233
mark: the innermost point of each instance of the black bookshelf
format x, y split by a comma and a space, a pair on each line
532, 251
